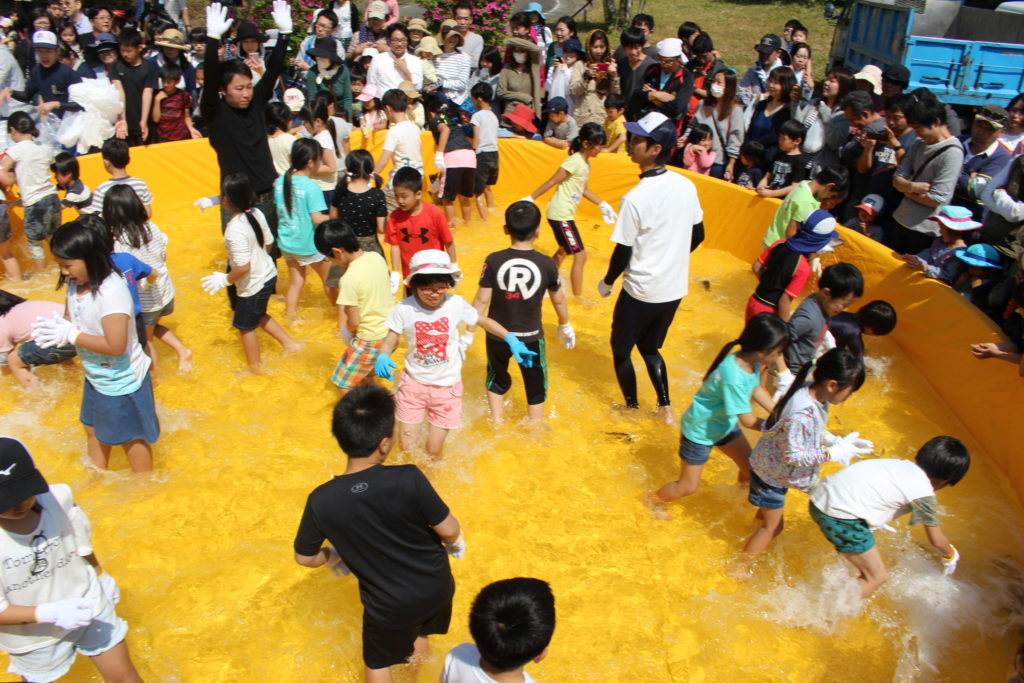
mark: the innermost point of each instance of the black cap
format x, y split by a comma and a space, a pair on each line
897, 73
769, 43
19, 478
557, 104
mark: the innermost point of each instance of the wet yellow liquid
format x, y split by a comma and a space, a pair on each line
202, 548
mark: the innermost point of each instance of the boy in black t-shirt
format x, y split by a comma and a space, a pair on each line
511, 292
787, 168
388, 526
747, 172
136, 79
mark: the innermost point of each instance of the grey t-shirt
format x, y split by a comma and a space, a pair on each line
567, 130
806, 329
942, 172
486, 124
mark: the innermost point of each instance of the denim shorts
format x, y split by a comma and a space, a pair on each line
694, 453
31, 354
149, 318
42, 218
120, 419
249, 310
764, 495
849, 536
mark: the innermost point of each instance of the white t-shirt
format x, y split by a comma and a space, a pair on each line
55, 550
462, 665
432, 338
154, 254
656, 219
326, 181
486, 130
342, 130
403, 141
32, 169
877, 491
281, 151
110, 375
243, 249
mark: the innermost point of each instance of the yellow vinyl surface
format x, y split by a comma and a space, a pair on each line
202, 548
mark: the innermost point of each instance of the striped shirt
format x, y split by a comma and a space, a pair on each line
453, 70
137, 184
154, 254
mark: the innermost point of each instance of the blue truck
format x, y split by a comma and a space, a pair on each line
967, 56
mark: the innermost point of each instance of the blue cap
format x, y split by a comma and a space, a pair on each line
536, 7
817, 230
573, 44
657, 127
981, 255
557, 104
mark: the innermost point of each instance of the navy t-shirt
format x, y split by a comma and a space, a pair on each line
846, 331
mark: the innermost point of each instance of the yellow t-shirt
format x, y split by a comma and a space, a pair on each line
569, 192
612, 130
365, 284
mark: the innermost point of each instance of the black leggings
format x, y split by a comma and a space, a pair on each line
643, 325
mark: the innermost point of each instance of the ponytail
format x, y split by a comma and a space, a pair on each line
840, 365
238, 193
798, 382
286, 185
358, 164
254, 223
720, 357
304, 152
334, 135
590, 132
763, 332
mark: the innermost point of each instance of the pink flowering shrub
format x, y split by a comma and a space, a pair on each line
490, 17
258, 12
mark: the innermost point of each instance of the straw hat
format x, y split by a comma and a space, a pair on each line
173, 38
429, 45
871, 74
417, 24
409, 89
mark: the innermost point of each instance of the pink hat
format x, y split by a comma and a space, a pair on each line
370, 92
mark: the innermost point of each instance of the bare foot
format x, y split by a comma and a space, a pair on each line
656, 506
666, 415
742, 567
185, 363
292, 348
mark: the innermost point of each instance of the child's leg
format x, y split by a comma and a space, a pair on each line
377, 675
579, 259
322, 268
872, 570
271, 327
496, 402
115, 665
558, 257
686, 485
739, 450
435, 441
38, 255
251, 346
296, 280
140, 456
167, 337
489, 196
99, 452
481, 207
464, 208
147, 346
11, 265
409, 436
21, 372
535, 412
449, 210
771, 526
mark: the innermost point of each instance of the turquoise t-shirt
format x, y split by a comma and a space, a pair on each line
720, 400
295, 230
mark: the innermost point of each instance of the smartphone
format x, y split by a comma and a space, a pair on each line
602, 67
559, 53
880, 136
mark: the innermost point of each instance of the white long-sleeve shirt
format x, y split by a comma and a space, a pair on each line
384, 76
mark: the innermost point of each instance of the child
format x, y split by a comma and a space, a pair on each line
485, 143
722, 404
11, 266
454, 158
359, 199
877, 318
521, 276
76, 194
279, 138
364, 302
559, 77
868, 213
850, 504
18, 353
803, 199
520, 124
317, 122
358, 83
787, 167
795, 441
984, 270
570, 181
615, 124
840, 284
414, 225
402, 144
58, 600
133, 234
117, 403
388, 526
28, 162
172, 108
427, 50
116, 158
561, 129
431, 385
371, 117
697, 153
247, 238
511, 622
300, 208
136, 80
783, 269
939, 261
748, 171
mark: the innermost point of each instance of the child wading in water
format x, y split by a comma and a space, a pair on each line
722, 404
795, 442
247, 238
570, 183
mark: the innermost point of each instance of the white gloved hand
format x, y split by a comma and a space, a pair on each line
439, 161
457, 548
603, 288
205, 203
949, 563
336, 564
816, 267
217, 22
783, 381
845, 451
67, 614
282, 16
110, 589
863, 444
395, 281
829, 439
465, 341
527, 198
567, 335
215, 282
828, 342
608, 213
54, 331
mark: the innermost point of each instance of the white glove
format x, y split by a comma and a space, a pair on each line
887, 528
457, 548
567, 335
783, 381
527, 198
217, 22
205, 203
816, 266
395, 281
603, 288
845, 451
336, 564
68, 614
110, 589
439, 161
948, 563
54, 331
608, 213
828, 342
215, 282
282, 16
465, 341
863, 444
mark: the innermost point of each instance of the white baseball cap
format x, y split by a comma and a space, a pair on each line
44, 39
670, 47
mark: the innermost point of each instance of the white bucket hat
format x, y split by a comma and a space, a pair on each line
432, 262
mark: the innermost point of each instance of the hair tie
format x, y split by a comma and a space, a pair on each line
249, 210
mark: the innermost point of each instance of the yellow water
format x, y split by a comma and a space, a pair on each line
202, 548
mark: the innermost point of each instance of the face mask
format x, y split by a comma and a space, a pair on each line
323, 64
520, 57
717, 90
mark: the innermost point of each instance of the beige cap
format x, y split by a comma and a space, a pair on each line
377, 10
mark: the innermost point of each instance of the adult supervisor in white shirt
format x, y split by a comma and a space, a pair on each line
660, 223
389, 69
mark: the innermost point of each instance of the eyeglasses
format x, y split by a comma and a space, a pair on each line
39, 562
398, 41
440, 289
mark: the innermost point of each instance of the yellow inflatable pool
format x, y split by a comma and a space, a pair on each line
202, 548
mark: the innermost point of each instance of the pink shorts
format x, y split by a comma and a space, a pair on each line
441, 405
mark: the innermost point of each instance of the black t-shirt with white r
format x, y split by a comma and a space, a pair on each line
519, 279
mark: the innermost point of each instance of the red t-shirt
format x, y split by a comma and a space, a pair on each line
785, 271
426, 230
172, 117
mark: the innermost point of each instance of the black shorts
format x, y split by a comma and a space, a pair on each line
249, 310
640, 324
384, 646
567, 236
486, 170
458, 181
535, 379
